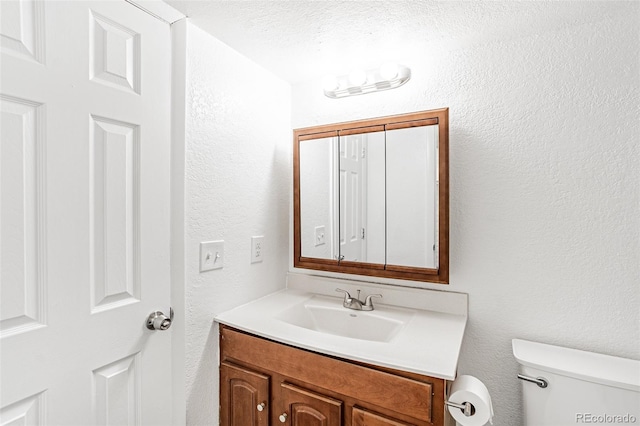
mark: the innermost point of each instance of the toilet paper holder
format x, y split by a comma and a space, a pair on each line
467, 408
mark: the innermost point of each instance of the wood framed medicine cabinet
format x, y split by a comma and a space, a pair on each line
371, 197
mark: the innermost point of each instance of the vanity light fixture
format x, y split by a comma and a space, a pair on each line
358, 82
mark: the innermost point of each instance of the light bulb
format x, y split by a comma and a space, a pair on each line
389, 70
357, 78
329, 83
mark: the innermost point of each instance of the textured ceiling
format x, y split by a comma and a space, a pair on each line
301, 40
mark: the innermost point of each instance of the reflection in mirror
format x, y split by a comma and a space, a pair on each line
318, 199
412, 207
362, 197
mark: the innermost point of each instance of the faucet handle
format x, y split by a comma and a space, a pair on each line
368, 302
346, 293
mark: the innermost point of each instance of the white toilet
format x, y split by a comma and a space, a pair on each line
582, 387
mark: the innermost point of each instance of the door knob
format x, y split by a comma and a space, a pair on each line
159, 321
261, 406
283, 418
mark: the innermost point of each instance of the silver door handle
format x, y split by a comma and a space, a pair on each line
159, 321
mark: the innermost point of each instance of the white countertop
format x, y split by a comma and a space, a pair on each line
429, 343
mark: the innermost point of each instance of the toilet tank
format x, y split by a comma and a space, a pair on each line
583, 387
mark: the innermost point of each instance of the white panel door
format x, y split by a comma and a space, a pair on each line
351, 193
373, 200
84, 214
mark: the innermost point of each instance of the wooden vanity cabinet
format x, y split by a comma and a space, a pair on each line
362, 417
307, 408
268, 383
244, 396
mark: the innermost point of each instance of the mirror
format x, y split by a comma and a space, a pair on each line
371, 197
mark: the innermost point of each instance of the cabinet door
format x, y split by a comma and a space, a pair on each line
362, 417
244, 396
306, 408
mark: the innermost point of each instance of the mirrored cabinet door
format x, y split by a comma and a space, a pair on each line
411, 198
362, 197
319, 198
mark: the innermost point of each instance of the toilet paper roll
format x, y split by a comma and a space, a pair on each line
470, 389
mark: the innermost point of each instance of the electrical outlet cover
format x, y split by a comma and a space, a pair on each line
257, 249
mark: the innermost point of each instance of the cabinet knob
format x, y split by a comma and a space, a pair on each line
261, 406
283, 418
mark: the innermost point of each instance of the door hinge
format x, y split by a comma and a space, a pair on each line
363, 233
363, 153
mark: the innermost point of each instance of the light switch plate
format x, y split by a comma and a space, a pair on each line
211, 255
319, 236
257, 249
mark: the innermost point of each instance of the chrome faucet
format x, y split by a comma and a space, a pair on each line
355, 303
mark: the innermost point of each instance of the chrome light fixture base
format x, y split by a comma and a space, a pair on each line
344, 86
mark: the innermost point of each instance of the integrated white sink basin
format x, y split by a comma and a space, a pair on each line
323, 314
415, 330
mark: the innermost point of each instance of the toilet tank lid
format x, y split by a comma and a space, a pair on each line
598, 368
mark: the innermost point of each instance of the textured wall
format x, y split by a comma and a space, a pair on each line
545, 188
238, 138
